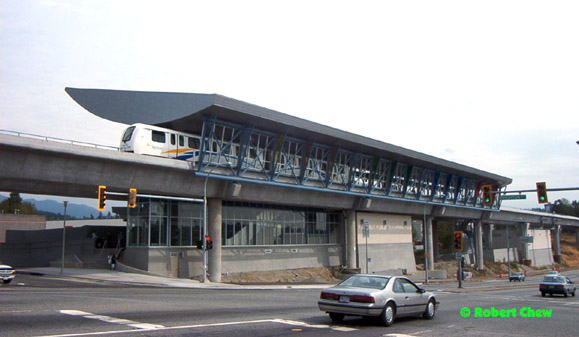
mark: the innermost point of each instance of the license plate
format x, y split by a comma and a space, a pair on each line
344, 299
551, 287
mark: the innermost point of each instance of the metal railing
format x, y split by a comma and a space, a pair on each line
58, 140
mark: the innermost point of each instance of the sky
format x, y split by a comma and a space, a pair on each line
492, 85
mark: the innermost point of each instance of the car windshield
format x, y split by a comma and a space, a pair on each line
366, 282
554, 279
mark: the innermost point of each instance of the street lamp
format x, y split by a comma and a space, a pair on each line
63, 238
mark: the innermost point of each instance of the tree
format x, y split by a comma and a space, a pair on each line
14, 205
564, 207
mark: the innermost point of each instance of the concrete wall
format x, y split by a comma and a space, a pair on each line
189, 262
38, 248
237, 260
20, 222
389, 242
539, 252
81, 223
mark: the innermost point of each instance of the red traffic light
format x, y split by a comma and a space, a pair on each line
458, 241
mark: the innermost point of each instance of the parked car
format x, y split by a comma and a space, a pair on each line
517, 277
7, 273
557, 285
383, 297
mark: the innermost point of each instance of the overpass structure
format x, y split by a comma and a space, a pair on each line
293, 194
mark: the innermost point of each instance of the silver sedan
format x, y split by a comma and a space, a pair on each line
384, 297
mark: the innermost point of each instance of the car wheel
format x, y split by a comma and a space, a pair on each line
542, 294
336, 318
566, 293
430, 310
573, 293
7, 281
387, 317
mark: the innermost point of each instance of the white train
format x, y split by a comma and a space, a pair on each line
157, 141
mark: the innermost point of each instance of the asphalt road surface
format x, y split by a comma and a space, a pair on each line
50, 306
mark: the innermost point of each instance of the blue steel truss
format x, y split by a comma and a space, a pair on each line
252, 154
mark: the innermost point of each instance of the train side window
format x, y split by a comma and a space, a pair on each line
158, 136
193, 143
172, 139
181, 141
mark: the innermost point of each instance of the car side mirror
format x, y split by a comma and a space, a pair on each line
421, 291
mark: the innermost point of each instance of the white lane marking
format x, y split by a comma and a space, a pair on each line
113, 320
296, 323
316, 326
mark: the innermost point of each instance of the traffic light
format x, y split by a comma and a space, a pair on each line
132, 197
542, 193
208, 243
102, 197
458, 243
487, 194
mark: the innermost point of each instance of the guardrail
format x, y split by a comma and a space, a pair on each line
58, 140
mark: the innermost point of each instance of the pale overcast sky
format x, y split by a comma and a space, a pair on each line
488, 84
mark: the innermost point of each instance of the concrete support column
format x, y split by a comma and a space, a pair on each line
428, 242
214, 228
478, 245
577, 238
489, 236
557, 243
351, 261
435, 247
524, 245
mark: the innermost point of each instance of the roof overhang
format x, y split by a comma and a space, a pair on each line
187, 112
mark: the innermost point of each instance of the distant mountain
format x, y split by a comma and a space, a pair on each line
73, 210
78, 211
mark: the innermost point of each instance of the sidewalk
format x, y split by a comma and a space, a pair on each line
104, 275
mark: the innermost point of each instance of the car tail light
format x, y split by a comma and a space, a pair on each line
560, 287
328, 296
362, 299
14, 272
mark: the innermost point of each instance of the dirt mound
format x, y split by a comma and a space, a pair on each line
569, 251
292, 276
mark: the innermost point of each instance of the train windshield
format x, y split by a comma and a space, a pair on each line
128, 134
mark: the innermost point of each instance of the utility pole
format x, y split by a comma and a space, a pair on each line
63, 239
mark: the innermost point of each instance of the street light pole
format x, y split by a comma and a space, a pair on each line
508, 252
63, 238
205, 229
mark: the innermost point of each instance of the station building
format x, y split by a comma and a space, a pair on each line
281, 192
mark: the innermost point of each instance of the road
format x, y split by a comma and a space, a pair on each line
50, 306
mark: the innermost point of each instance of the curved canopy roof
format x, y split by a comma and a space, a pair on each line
187, 111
